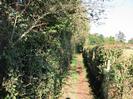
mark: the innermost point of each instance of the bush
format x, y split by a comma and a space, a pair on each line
38, 51
108, 72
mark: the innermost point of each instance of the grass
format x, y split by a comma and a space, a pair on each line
73, 73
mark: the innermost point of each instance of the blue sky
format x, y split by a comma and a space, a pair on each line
119, 18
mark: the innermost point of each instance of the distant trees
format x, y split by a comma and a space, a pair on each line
130, 41
110, 40
120, 37
100, 39
96, 39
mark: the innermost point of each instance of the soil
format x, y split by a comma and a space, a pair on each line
78, 87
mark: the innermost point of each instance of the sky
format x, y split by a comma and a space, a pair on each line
119, 18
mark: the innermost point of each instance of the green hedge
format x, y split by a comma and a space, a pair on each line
109, 72
38, 48
38, 63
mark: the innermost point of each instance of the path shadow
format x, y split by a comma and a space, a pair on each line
94, 78
68, 98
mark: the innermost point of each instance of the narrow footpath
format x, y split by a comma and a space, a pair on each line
77, 86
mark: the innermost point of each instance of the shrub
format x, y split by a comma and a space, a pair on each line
109, 72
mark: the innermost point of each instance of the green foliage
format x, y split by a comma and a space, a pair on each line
39, 47
99, 39
37, 40
130, 41
40, 61
110, 40
112, 69
95, 39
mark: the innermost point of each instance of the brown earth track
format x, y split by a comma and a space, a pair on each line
79, 88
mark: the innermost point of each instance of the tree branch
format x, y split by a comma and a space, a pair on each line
14, 26
32, 26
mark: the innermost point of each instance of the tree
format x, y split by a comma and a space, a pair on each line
130, 41
95, 9
38, 50
36, 47
120, 37
110, 40
96, 39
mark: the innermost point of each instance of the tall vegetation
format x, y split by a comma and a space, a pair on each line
99, 39
130, 41
120, 37
109, 71
37, 41
96, 39
36, 46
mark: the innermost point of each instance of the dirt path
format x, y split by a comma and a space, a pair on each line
77, 86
